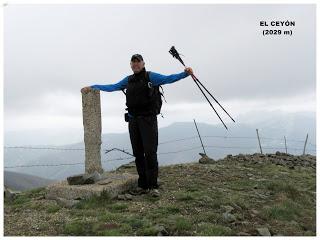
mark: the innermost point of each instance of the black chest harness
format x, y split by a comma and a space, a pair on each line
142, 98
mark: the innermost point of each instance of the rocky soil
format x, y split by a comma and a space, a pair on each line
241, 195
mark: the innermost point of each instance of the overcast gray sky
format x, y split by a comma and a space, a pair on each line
52, 51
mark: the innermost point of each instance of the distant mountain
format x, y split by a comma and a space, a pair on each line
20, 181
179, 143
48, 136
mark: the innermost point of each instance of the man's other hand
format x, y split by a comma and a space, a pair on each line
86, 89
189, 70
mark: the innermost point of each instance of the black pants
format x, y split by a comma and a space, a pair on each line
144, 140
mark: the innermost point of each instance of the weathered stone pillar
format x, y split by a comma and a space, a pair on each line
91, 111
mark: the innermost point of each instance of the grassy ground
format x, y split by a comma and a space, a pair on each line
194, 198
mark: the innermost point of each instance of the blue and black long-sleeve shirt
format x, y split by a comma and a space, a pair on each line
155, 78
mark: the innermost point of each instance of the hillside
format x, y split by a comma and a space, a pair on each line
178, 143
239, 195
20, 182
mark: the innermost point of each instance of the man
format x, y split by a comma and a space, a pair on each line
142, 123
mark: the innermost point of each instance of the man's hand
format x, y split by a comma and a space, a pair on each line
189, 70
85, 89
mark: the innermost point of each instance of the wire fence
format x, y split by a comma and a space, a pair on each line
168, 152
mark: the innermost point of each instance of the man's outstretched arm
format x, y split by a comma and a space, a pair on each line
112, 87
159, 79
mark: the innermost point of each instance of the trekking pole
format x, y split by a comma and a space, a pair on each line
176, 55
209, 102
214, 98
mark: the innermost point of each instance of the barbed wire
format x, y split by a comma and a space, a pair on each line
160, 143
184, 150
44, 148
109, 160
235, 147
178, 140
161, 153
66, 164
171, 152
255, 138
44, 165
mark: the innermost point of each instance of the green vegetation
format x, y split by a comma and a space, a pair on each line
192, 202
53, 208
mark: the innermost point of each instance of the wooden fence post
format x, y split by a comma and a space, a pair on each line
305, 144
199, 137
285, 144
259, 141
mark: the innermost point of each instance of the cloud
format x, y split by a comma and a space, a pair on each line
51, 51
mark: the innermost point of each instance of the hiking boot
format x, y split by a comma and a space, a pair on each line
138, 191
154, 192
159, 185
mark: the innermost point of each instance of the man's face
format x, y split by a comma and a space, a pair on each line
136, 65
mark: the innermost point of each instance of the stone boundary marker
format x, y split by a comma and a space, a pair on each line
91, 111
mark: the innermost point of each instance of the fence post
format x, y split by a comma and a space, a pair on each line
285, 144
305, 144
199, 137
259, 141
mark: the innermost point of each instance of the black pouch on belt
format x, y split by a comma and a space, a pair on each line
126, 117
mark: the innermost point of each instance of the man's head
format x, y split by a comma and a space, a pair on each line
136, 63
